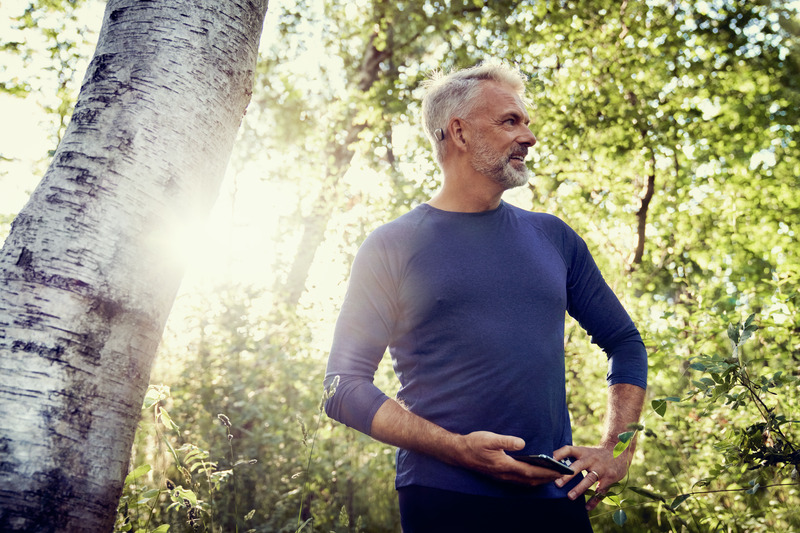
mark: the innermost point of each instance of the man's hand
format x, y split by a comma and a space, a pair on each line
624, 407
601, 467
481, 451
485, 452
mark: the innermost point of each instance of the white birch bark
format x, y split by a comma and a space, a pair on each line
85, 285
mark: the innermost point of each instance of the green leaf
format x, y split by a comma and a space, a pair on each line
748, 332
753, 489
172, 450
620, 517
620, 447
167, 420
626, 437
678, 501
150, 493
660, 407
137, 473
733, 333
303, 525
249, 515
344, 519
697, 366
163, 528
189, 495
150, 398
155, 394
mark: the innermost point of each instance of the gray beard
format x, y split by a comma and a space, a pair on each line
499, 168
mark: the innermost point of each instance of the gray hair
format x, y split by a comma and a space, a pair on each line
456, 95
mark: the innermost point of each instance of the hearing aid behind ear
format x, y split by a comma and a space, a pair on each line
439, 133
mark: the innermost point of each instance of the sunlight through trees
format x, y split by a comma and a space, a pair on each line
668, 138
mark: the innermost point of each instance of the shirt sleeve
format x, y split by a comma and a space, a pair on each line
598, 310
362, 333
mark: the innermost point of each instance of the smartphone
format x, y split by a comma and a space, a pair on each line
545, 461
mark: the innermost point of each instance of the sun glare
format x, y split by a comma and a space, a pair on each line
254, 229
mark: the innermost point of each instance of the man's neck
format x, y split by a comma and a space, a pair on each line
461, 204
465, 193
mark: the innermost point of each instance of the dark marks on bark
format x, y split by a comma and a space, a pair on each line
25, 259
48, 352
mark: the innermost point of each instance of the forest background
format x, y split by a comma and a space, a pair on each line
668, 138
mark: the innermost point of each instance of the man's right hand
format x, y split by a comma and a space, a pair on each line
485, 452
482, 451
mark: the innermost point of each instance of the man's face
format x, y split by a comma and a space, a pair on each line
502, 136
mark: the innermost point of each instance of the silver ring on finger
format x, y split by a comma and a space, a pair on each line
596, 475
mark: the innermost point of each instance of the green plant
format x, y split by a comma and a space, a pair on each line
327, 393
149, 496
756, 446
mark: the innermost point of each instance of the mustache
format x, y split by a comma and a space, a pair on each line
519, 150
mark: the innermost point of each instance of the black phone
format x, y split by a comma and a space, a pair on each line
545, 461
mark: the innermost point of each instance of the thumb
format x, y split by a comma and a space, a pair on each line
511, 443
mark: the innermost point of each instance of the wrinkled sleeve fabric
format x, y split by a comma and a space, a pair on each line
362, 333
598, 310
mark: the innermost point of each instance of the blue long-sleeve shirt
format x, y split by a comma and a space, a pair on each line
472, 308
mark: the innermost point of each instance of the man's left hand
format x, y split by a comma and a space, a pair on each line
600, 466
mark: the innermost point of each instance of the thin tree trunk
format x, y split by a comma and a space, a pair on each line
641, 214
316, 223
85, 283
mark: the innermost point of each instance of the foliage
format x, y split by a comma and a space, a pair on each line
139, 502
753, 452
267, 471
141, 507
668, 139
5, 226
49, 44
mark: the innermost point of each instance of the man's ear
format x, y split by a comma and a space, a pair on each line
456, 132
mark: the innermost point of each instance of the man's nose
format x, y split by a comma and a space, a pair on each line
527, 138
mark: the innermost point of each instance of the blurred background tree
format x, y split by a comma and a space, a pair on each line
668, 138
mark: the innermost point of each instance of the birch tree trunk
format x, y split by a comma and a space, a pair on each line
85, 283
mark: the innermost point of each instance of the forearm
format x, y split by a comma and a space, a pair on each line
399, 427
481, 451
624, 407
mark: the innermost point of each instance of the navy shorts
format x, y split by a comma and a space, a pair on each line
428, 510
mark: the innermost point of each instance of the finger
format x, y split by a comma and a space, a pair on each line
599, 494
595, 500
563, 480
564, 452
579, 457
590, 479
568, 452
485, 440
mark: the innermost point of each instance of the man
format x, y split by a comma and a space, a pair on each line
469, 294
